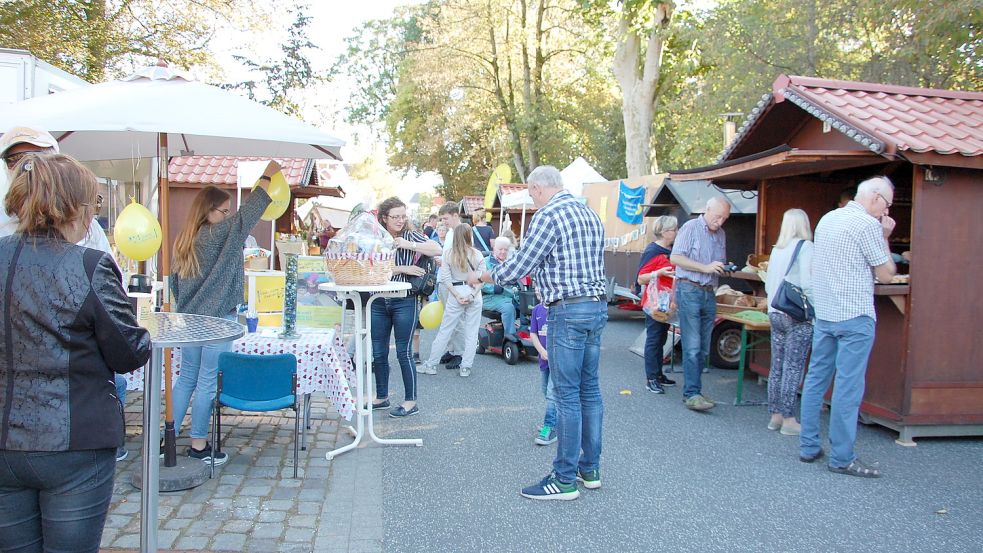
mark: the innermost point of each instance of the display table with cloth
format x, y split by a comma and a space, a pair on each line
749, 340
363, 355
322, 365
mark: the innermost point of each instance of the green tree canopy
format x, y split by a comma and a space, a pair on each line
99, 39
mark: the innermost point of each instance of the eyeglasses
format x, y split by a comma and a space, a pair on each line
889, 204
397, 217
97, 203
224, 210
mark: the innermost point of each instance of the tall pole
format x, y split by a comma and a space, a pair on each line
163, 196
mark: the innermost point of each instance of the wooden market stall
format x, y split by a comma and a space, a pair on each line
808, 140
189, 174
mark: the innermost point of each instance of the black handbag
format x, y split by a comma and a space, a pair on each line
425, 284
790, 299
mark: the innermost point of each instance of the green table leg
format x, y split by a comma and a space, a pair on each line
740, 367
746, 345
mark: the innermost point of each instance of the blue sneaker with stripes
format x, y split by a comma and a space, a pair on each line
551, 488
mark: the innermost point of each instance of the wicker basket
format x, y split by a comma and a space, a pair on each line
367, 269
725, 304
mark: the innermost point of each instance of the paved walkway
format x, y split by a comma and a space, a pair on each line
254, 504
673, 480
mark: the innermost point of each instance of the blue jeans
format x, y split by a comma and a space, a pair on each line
655, 341
54, 501
697, 311
504, 306
121, 390
574, 347
840, 348
393, 316
199, 371
549, 418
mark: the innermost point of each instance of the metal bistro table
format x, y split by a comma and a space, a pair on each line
168, 330
363, 357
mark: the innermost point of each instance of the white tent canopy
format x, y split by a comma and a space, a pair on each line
579, 173
122, 119
517, 199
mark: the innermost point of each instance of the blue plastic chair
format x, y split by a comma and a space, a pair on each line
256, 383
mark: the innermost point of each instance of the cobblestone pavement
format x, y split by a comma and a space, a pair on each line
254, 504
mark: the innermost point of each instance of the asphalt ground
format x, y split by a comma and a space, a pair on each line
673, 479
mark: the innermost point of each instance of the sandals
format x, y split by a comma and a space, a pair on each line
857, 468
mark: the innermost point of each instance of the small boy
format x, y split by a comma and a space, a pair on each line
537, 333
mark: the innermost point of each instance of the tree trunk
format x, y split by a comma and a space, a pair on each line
506, 104
96, 42
639, 84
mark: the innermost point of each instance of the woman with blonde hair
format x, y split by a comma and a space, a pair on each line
658, 267
463, 308
790, 339
208, 280
483, 234
68, 328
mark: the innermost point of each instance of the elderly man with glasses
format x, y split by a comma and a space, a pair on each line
851, 252
15, 145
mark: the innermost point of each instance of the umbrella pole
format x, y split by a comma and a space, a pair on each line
163, 195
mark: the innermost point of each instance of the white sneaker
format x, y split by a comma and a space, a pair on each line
423, 369
464, 371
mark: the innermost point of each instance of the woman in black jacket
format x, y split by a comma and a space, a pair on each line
66, 327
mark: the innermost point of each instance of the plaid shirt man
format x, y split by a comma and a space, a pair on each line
849, 244
565, 248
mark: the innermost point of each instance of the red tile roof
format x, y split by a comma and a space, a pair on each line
470, 204
902, 118
221, 170
504, 189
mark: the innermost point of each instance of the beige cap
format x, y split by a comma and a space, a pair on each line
26, 135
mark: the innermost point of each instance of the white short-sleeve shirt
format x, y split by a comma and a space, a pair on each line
849, 243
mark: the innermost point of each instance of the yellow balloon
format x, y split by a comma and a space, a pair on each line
431, 315
137, 232
279, 191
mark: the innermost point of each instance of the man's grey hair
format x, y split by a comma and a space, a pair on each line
501, 242
875, 185
545, 176
718, 202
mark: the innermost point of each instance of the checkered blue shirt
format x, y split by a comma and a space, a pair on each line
849, 244
698, 243
563, 250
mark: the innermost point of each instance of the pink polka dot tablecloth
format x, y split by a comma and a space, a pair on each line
323, 365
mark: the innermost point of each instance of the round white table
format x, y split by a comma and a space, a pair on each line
363, 357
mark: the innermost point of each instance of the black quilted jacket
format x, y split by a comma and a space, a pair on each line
66, 326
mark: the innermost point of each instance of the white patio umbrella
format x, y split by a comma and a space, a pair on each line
157, 108
141, 116
127, 119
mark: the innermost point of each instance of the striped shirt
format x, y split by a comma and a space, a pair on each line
563, 249
697, 243
405, 256
849, 244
